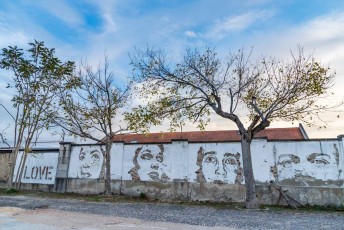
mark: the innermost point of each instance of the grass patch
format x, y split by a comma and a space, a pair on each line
213, 204
94, 198
9, 191
330, 208
143, 196
307, 208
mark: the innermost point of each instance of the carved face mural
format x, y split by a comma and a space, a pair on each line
219, 167
149, 164
307, 169
90, 163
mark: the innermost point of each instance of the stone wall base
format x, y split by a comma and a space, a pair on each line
185, 191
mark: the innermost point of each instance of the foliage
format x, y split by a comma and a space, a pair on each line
37, 77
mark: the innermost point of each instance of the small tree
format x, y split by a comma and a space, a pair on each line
37, 77
89, 110
201, 83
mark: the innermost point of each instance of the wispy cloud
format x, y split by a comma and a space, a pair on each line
62, 10
231, 24
11, 35
190, 34
324, 37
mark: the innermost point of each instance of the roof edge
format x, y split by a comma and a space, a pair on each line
303, 131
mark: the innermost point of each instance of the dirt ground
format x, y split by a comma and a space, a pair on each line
17, 218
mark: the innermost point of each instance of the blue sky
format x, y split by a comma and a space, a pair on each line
80, 29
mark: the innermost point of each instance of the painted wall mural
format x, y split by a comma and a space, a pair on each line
86, 162
218, 167
149, 164
39, 168
301, 163
308, 165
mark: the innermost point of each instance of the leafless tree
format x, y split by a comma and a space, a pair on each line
89, 110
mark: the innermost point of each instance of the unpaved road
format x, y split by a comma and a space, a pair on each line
50, 219
28, 212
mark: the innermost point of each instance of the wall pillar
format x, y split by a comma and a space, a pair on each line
63, 167
341, 156
180, 158
117, 152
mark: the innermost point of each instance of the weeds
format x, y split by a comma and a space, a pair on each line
143, 196
11, 191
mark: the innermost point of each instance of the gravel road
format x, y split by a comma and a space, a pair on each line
195, 215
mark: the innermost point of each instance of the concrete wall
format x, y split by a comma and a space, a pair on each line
301, 163
312, 170
39, 167
4, 167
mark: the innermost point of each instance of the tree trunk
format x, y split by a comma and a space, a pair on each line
13, 159
20, 170
251, 199
107, 167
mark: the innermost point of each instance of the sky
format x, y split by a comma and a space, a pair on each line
88, 29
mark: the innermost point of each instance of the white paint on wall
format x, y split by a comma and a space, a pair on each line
86, 161
39, 168
117, 152
180, 162
262, 160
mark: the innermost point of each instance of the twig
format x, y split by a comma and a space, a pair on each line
282, 193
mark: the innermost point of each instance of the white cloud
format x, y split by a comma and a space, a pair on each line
237, 23
190, 34
16, 36
108, 12
61, 10
323, 36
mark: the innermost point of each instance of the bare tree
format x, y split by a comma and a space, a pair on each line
89, 110
202, 83
37, 77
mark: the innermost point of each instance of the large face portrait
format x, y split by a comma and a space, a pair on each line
90, 163
218, 167
149, 164
307, 169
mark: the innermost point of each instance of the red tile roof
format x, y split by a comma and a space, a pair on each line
294, 133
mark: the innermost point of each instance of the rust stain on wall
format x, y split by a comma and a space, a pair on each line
200, 176
274, 172
336, 153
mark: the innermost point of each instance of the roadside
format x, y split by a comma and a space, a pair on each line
92, 212
51, 219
